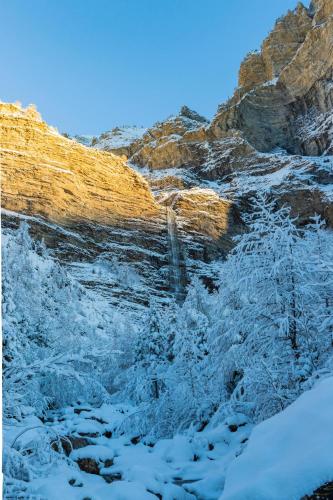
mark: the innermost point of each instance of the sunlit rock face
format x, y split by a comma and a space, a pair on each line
284, 99
277, 50
169, 143
170, 213
280, 113
96, 212
321, 10
87, 205
73, 182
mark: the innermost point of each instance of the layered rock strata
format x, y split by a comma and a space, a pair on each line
284, 84
95, 213
174, 213
283, 99
280, 112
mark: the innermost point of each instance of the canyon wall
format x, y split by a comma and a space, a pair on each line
178, 200
89, 206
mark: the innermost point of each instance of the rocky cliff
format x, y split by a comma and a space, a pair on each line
73, 183
279, 119
92, 208
171, 211
286, 85
283, 99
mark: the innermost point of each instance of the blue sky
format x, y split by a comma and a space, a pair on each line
89, 65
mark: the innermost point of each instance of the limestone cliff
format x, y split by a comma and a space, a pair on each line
286, 84
283, 104
173, 212
277, 50
43, 173
283, 99
91, 208
163, 146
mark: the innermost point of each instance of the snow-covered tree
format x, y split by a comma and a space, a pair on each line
53, 331
251, 347
152, 353
270, 311
187, 380
191, 346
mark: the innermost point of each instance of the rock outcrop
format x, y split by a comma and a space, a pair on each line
168, 144
277, 50
284, 84
87, 205
118, 140
284, 99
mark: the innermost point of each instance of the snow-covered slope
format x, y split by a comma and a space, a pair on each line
289, 455
118, 137
107, 462
86, 140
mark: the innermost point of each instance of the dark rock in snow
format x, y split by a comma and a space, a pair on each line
88, 465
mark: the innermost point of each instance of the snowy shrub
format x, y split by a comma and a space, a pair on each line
240, 354
61, 344
170, 378
54, 334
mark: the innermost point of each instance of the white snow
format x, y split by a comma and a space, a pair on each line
119, 137
98, 452
289, 455
270, 83
85, 140
327, 190
185, 467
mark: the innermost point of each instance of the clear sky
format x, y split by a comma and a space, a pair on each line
89, 65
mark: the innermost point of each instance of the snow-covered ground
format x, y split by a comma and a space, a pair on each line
86, 140
118, 137
188, 466
287, 456
282, 458
295, 171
